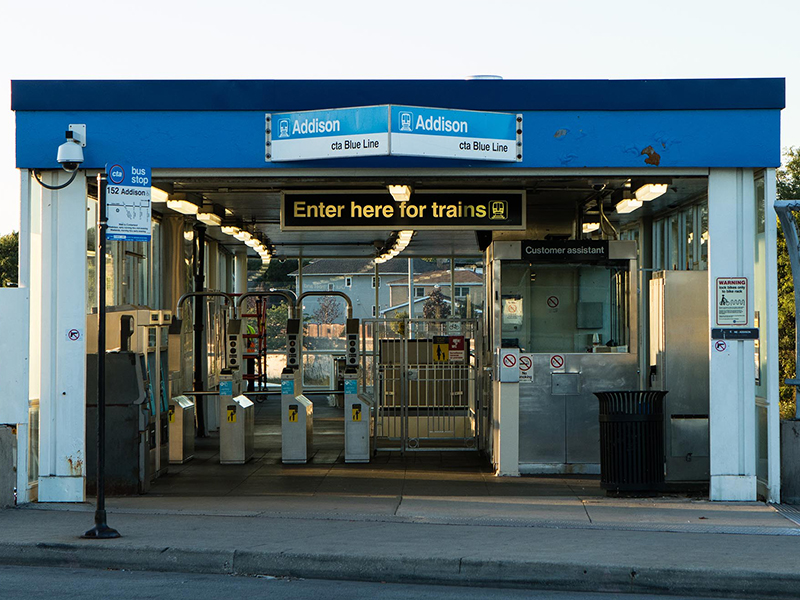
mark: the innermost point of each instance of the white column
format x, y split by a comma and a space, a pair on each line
771, 325
62, 267
505, 427
240, 271
731, 225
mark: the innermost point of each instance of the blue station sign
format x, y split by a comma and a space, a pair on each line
440, 133
393, 130
336, 133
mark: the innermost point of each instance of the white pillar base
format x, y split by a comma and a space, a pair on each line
61, 489
733, 488
507, 423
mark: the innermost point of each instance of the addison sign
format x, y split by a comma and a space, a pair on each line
487, 210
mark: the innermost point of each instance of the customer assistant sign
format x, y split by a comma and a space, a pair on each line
343, 210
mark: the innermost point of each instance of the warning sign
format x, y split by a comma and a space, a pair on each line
557, 361
526, 368
456, 348
231, 413
441, 348
732, 301
512, 311
356, 413
293, 413
552, 302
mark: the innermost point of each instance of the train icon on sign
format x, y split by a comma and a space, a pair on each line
283, 128
405, 120
498, 210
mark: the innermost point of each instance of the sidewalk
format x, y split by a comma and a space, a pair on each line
413, 522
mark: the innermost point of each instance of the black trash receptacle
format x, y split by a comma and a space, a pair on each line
631, 441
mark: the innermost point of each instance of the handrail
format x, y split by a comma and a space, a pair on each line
323, 293
288, 295
228, 299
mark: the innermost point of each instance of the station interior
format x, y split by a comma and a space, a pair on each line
201, 385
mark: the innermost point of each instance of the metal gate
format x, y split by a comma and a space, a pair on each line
425, 376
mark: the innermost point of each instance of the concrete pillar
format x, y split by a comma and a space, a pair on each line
60, 262
731, 225
240, 271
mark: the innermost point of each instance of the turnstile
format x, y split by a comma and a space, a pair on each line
297, 429
236, 430
181, 430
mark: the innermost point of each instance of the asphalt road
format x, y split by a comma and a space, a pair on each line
33, 583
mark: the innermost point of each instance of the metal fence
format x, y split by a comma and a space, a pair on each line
425, 377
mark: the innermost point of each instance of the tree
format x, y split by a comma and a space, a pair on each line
275, 319
788, 188
435, 306
328, 311
9, 259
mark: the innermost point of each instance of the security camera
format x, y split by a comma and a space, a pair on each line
70, 153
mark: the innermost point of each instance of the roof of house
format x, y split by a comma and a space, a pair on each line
461, 276
363, 266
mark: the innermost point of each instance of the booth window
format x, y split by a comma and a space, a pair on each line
547, 308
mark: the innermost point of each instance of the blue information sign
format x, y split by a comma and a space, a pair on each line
128, 203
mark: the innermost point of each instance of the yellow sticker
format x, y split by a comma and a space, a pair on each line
231, 414
356, 412
293, 413
171, 414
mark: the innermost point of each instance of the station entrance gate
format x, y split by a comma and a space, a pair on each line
427, 384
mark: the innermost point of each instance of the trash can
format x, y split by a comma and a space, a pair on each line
631, 441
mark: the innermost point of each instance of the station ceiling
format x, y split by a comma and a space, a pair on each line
254, 203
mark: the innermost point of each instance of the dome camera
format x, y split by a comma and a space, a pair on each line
70, 154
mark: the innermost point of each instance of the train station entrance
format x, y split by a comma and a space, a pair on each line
294, 279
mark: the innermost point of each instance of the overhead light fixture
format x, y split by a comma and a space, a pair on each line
243, 236
627, 206
650, 191
252, 242
590, 227
188, 235
230, 230
209, 218
400, 193
183, 206
157, 195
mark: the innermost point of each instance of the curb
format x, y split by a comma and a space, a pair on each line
405, 569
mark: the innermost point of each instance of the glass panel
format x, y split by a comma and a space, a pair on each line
704, 236
564, 308
691, 243
318, 370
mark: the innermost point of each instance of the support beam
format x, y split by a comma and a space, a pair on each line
731, 224
61, 261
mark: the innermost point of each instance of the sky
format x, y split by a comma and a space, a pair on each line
413, 39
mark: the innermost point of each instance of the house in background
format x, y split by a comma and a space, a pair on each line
356, 278
468, 291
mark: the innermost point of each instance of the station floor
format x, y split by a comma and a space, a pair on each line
388, 474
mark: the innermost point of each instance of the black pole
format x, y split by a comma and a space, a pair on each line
101, 530
199, 326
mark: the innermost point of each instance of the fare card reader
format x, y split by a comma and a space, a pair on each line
236, 422
297, 428
357, 421
351, 331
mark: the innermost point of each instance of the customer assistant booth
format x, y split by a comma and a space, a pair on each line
623, 230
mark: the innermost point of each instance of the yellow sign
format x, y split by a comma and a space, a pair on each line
171, 414
441, 349
293, 413
356, 412
231, 413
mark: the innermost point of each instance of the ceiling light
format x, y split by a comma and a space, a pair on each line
209, 218
183, 206
252, 242
650, 191
188, 235
243, 236
158, 195
400, 193
230, 230
627, 206
590, 227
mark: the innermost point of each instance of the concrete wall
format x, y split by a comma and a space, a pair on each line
8, 475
